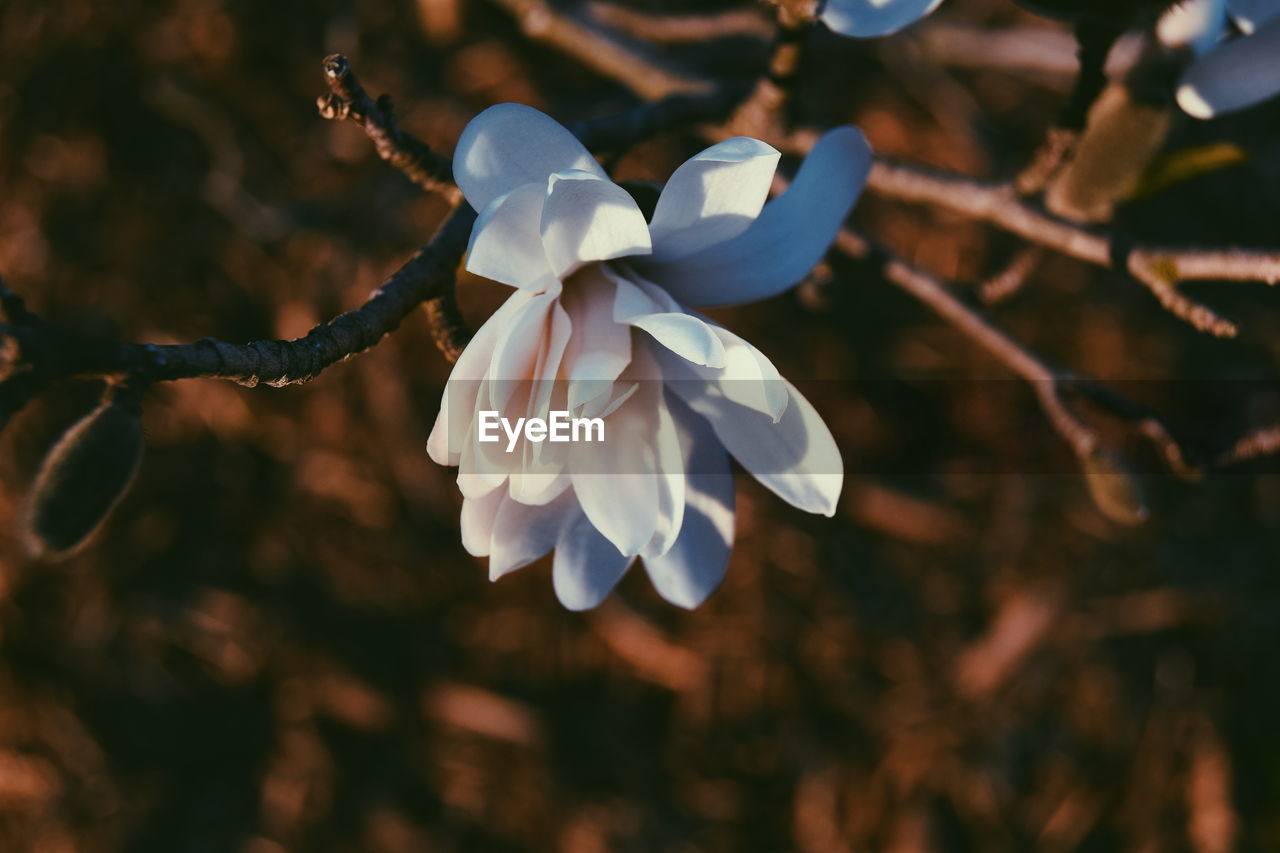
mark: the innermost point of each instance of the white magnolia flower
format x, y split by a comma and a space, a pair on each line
1231, 74
598, 327
873, 18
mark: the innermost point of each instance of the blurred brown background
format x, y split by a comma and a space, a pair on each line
277, 642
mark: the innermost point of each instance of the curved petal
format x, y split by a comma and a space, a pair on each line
516, 356
476, 522
588, 218
509, 145
872, 18
622, 506
506, 243
586, 567
1251, 14
713, 197
458, 404
522, 533
534, 335
747, 378
695, 564
790, 236
1235, 75
646, 306
669, 471
538, 476
796, 458
616, 479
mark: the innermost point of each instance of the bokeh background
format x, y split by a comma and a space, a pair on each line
277, 643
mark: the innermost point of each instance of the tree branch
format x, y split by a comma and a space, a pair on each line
35, 353
347, 99
1159, 269
51, 353
608, 53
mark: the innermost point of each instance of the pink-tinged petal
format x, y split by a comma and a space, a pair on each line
694, 566
522, 534
458, 404
646, 306
510, 145
796, 457
1235, 75
874, 18
713, 197
476, 522
600, 347
586, 567
541, 474
516, 355
788, 238
1251, 14
588, 218
506, 242
1196, 25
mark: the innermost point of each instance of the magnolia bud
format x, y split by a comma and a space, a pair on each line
84, 475
1115, 489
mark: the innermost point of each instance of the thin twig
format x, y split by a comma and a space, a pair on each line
681, 28
606, 52
1254, 445
347, 99
1010, 280
1157, 268
1051, 384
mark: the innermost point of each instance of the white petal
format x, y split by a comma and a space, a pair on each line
669, 465
1193, 24
1235, 75
482, 468
694, 566
522, 534
616, 479
476, 522
1251, 14
586, 566
790, 236
747, 378
458, 404
589, 218
506, 242
686, 336
797, 457
646, 306
872, 18
712, 197
509, 145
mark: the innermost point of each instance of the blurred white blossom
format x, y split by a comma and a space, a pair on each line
874, 18
598, 326
1239, 71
